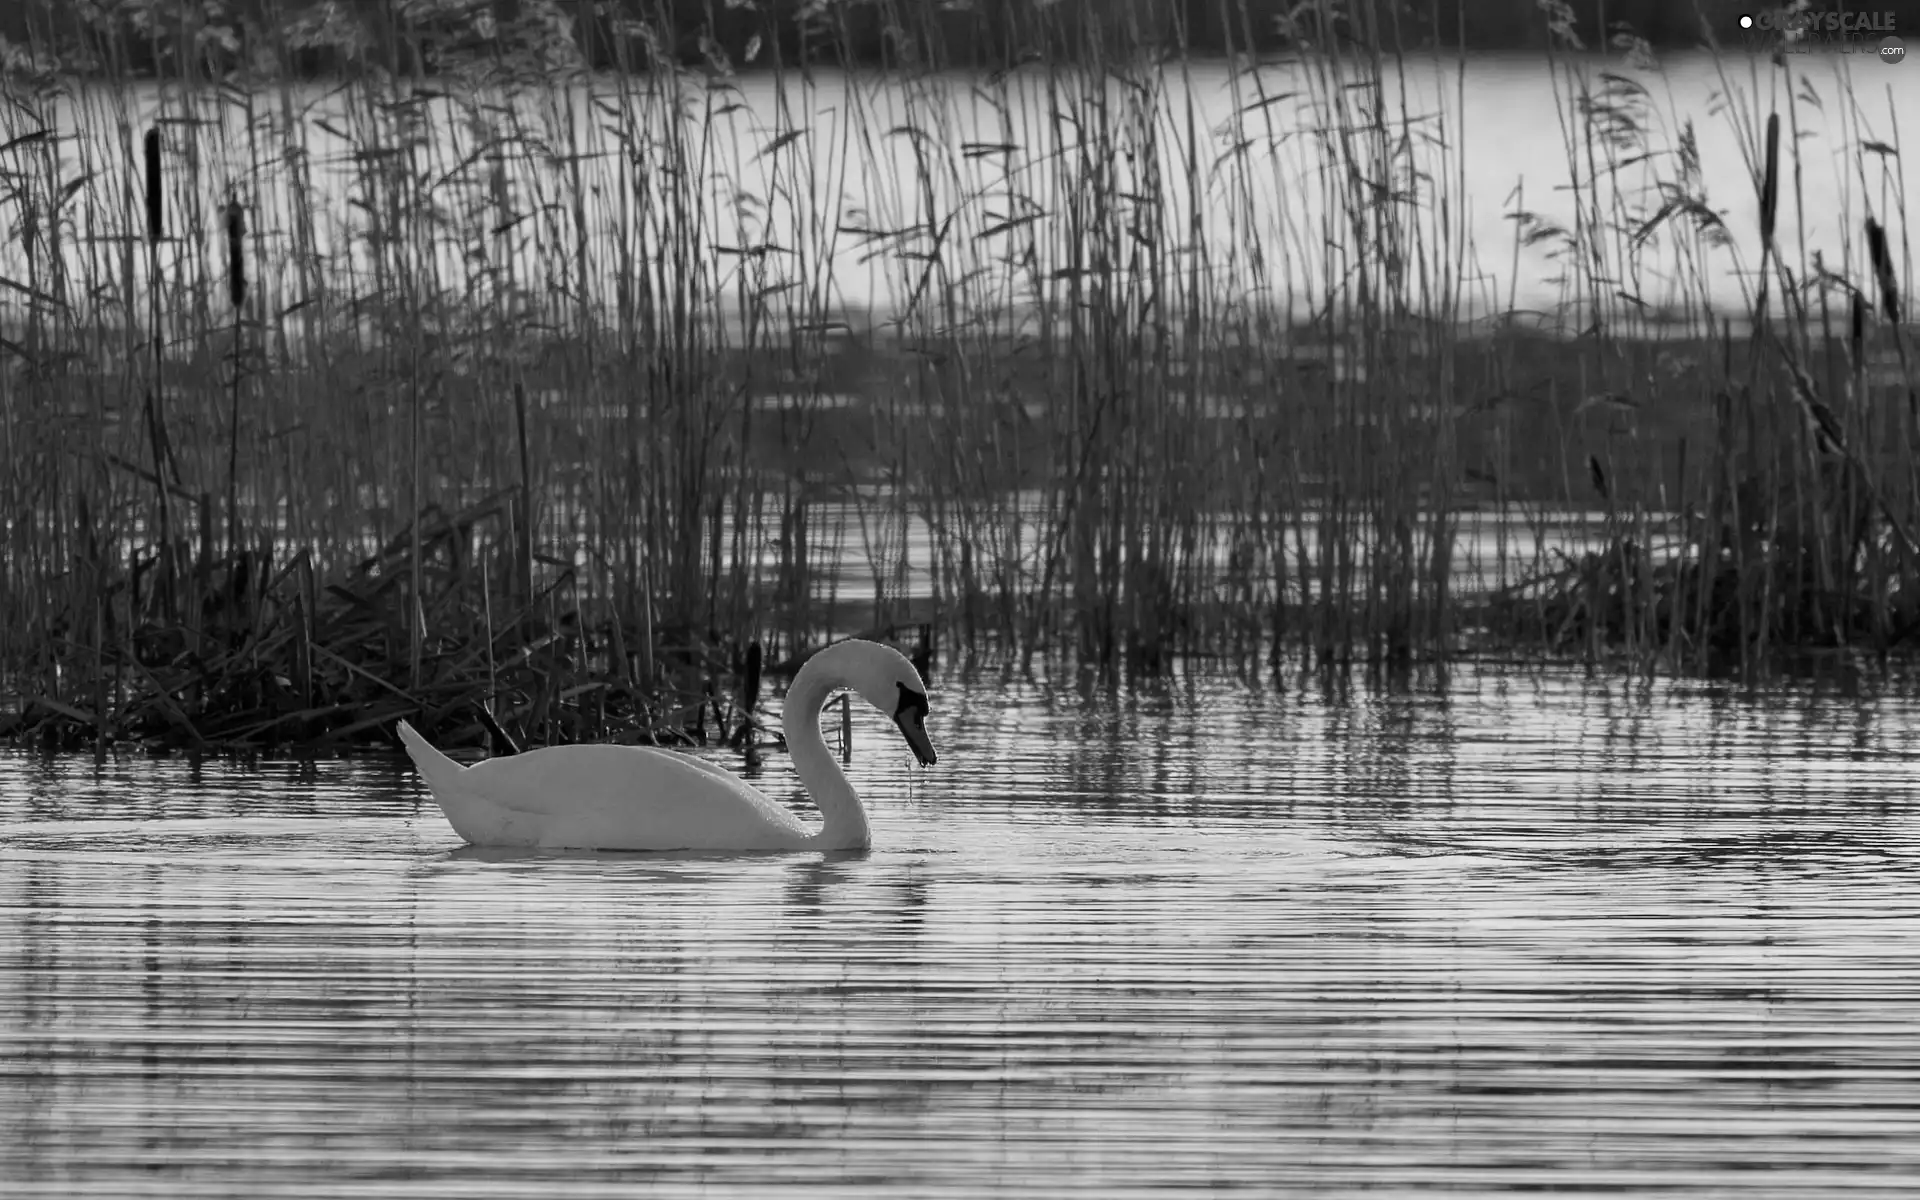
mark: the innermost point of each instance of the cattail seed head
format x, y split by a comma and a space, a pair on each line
236, 254
1883, 274
1770, 182
155, 225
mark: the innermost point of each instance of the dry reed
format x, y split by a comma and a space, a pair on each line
536, 396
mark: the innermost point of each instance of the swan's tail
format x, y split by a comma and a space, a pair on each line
441, 773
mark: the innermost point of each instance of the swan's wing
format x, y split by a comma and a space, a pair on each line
712, 768
629, 796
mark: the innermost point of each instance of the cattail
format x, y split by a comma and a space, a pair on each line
749, 695
1883, 270
750, 688
1770, 183
236, 254
154, 224
1857, 326
846, 727
1598, 474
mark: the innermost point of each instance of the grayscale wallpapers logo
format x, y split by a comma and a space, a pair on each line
1800, 29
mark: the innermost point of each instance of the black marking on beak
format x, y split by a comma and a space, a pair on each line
910, 716
909, 699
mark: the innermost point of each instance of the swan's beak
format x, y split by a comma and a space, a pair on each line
911, 725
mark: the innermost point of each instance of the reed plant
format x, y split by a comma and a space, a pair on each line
470, 380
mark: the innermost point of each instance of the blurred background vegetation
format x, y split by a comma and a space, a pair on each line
318, 37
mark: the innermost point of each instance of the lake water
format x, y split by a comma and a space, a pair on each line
1529, 932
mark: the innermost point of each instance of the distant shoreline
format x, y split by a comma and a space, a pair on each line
311, 42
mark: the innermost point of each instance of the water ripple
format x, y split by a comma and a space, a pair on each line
1526, 933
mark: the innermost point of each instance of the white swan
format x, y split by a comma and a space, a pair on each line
607, 797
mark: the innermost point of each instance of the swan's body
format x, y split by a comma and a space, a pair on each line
607, 797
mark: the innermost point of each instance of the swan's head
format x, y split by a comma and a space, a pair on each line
885, 679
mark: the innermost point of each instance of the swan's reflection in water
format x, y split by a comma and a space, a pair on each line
1526, 933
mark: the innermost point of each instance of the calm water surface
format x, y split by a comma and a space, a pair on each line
1529, 933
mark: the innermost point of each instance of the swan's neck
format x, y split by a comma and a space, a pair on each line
844, 821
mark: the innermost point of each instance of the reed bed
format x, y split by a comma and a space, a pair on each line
471, 383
